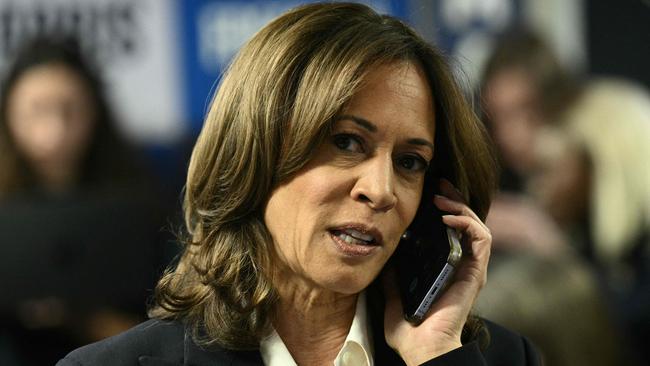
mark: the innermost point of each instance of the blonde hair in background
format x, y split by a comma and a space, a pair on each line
274, 106
611, 122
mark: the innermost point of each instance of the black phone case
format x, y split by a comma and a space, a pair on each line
425, 260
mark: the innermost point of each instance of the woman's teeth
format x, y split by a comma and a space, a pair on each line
355, 237
359, 235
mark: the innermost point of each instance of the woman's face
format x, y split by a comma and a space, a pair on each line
339, 219
511, 103
562, 180
50, 118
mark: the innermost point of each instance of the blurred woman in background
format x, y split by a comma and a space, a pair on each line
594, 179
57, 132
523, 87
536, 273
62, 157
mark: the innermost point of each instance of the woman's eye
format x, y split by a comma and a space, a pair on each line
348, 143
413, 163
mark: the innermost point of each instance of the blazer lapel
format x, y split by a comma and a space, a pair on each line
197, 356
193, 355
155, 361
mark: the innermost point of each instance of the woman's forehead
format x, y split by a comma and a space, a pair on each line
398, 90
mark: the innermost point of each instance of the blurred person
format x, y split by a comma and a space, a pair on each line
57, 131
59, 152
594, 179
523, 88
312, 162
555, 301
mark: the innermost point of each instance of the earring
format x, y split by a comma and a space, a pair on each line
406, 235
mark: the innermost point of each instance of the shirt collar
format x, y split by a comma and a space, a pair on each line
356, 350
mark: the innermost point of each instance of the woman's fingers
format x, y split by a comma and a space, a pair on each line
452, 201
455, 207
461, 210
448, 189
441, 330
476, 232
480, 240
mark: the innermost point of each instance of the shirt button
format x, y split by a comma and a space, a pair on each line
353, 355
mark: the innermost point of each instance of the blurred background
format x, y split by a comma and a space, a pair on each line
101, 100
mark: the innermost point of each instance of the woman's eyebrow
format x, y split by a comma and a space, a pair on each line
360, 121
372, 128
421, 142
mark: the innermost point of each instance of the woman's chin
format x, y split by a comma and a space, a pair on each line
349, 284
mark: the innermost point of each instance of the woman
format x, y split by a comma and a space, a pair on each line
57, 133
61, 157
594, 180
309, 168
524, 87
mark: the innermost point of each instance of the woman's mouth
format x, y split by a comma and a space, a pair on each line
353, 242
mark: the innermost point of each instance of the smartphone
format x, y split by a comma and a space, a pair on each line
425, 260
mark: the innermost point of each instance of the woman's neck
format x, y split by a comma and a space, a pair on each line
56, 179
313, 322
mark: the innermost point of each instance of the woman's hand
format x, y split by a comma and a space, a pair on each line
440, 331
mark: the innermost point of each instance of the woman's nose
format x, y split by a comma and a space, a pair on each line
376, 184
49, 133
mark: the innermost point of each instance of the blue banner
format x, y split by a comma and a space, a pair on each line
213, 31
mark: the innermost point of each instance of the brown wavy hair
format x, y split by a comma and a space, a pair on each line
274, 106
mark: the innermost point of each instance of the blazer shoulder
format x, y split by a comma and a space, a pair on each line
153, 338
509, 348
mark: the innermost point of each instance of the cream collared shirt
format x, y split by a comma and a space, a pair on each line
356, 350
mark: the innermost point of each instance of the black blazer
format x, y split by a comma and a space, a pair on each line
167, 343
